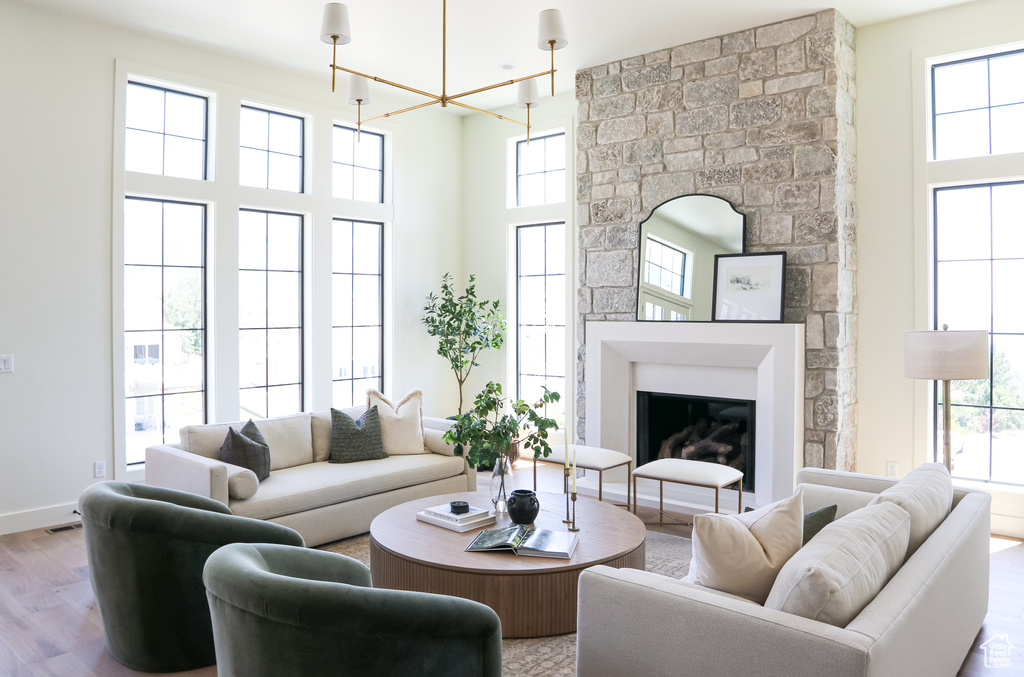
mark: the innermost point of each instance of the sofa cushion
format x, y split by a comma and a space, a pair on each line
839, 572
927, 494
742, 554
247, 449
401, 425
321, 430
355, 440
315, 485
289, 438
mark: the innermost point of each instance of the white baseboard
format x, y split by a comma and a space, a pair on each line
38, 519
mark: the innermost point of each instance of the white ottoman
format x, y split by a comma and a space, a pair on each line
683, 471
588, 458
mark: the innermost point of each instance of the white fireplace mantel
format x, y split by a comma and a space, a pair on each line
750, 361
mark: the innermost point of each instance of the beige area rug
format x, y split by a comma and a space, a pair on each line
551, 656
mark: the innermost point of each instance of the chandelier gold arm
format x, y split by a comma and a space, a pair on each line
485, 112
551, 44
406, 110
387, 82
501, 84
334, 60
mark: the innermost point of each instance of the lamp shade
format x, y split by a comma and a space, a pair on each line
551, 28
335, 23
945, 355
358, 90
527, 94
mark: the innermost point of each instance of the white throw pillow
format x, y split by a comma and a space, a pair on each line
742, 554
841, 569
927, 494
401, 425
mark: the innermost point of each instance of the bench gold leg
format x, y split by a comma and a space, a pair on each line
629, 474
600, 483
740, 508
717, 490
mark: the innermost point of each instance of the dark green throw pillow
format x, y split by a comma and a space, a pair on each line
247, 449
818, 520
355, 440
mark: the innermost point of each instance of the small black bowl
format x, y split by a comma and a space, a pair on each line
459, 507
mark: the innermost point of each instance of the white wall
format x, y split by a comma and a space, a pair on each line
487, 218
892, 232
56, 140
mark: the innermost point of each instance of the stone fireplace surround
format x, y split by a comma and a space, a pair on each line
764, 118
750, 361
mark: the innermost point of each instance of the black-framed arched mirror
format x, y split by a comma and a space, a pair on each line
678, 244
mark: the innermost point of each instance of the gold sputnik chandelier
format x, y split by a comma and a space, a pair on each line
335, 31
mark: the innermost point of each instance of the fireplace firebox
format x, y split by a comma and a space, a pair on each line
713, 430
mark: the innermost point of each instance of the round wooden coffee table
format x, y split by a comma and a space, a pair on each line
533, 596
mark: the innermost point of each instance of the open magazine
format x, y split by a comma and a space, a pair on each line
525, 540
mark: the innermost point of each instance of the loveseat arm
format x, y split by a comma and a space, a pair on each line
168, 465
628, 618
433, 434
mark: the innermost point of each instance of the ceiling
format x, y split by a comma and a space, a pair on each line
400, 40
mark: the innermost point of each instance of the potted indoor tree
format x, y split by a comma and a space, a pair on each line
486, 436
464, 326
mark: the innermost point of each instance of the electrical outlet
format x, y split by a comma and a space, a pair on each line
6, 364
892, 469
99, 469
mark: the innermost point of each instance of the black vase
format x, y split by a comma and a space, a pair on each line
523, 506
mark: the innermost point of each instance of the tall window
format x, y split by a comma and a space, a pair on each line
540, 171
979, 262
165, 132
358, 165
164, 308
269, 313
978, 106
540, 311
270, 153
357, 293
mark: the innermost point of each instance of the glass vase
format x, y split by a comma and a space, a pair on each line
502, 483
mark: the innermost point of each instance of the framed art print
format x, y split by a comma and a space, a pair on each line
749, 287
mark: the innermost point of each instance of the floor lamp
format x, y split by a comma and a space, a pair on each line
945, 356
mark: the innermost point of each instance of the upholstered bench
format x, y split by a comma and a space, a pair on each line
588, 458
683, 471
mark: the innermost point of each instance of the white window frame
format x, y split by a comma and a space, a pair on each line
224, 197
525, 216
1008, 500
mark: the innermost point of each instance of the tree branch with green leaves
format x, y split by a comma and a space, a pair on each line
464, 327
484, 433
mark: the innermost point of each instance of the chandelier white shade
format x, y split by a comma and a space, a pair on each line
335, 30
527, 95
335, 24
551, 30
945, 355
358, 90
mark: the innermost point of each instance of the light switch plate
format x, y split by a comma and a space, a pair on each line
6, 364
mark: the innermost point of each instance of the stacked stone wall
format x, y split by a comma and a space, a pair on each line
765, 119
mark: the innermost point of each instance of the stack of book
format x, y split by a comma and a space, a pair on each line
443, 516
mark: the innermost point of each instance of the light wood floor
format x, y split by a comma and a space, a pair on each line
50, 626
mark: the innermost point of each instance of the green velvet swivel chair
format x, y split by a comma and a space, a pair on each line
279, 610
147, 547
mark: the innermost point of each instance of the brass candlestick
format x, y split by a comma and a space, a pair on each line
565, 490
572, 524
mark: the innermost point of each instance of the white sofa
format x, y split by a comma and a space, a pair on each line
322, 501
923, 622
